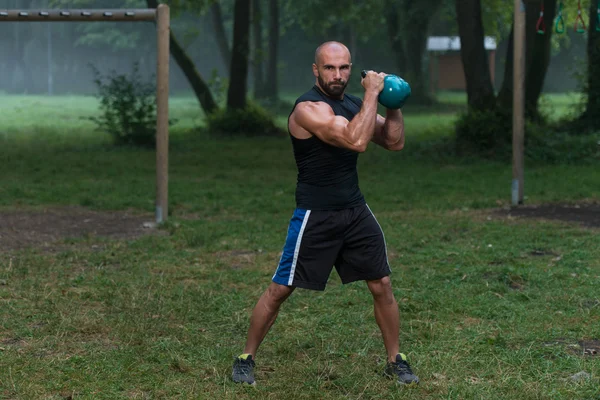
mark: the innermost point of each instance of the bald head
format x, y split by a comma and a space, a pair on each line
332, 68
331, 49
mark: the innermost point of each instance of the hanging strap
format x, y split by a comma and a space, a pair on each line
559, 26
579, 22
541, 25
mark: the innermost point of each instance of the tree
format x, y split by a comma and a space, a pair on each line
536, 62
186, 64
480, 91
406, 23
271, 83
238, 72
258, 55
116, 37
591, 115
258, 51
408, 29
236, 94
220, 35
537, 59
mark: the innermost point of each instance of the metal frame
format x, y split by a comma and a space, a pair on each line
161, 16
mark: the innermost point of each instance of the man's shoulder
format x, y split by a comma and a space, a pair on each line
310, 95
309, 100
311, 111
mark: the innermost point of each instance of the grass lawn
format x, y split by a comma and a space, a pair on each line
491, 307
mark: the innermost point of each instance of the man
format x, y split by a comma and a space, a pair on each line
332, 225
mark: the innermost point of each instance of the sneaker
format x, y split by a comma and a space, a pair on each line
401, 371
243, 369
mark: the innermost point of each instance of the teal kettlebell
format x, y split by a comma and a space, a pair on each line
395, 91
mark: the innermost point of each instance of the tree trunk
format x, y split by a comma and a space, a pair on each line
258, 53
537, 59
480, 91
408, 31
415, 36
201, 89
186, 64
505, 95
220, 35
592, 110
414, 72
272, 81
392, 18
353, 47
236, 95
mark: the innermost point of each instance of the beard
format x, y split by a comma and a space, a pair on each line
333, 89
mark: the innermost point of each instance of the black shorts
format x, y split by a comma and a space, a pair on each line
351, 240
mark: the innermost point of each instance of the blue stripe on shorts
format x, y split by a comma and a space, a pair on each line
287, 264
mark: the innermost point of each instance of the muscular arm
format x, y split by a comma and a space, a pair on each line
318, 119
389, 132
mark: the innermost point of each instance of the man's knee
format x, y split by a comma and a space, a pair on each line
381, 287
278, 293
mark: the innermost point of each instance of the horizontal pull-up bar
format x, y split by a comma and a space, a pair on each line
57, 15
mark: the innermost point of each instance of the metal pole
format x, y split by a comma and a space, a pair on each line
58, 15
518, 102
162, 112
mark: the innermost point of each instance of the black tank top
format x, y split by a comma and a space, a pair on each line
327, 176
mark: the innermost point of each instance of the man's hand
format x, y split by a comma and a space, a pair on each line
373, 81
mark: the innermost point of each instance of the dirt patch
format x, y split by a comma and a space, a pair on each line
12, 342
585, 214
585, 348
590, 347
238, 259
49, 228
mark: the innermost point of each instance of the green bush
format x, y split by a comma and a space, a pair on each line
552, 147
484, 133
250, 121
489, 135
128, 108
